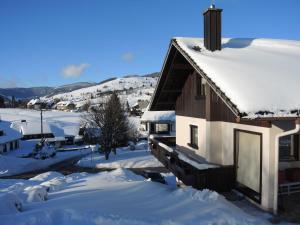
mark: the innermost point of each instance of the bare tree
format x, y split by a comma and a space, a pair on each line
111, 119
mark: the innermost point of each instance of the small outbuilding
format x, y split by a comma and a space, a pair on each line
158, 123
9, 138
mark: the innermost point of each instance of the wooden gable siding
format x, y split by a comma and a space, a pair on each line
187, 104
209, 107
218, 110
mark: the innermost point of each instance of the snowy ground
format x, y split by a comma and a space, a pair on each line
117, 197
125, 158
12, 164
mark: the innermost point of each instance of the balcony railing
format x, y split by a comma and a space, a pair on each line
188, 169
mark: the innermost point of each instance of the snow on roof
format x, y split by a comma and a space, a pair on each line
34, 101
29, 128
9, 133
64, 103
34, 127
256, 74
152, 116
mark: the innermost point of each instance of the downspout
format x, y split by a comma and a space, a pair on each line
277, 137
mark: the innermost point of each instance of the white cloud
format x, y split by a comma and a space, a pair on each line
128, 56
74, 70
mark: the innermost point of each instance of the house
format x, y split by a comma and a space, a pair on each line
36, 104
139, 107
65, 105
157, 123
32, 130
87, 134
237, 114
9, 138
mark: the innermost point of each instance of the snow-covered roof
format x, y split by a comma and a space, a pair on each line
255, 74
34, 127
64, 103
9, 133
34, 101
29, 128
156, 116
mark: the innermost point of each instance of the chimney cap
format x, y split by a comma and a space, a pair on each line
212, 8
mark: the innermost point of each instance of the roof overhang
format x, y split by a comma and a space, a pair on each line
178, 65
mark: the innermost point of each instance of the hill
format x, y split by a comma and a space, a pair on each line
131, 89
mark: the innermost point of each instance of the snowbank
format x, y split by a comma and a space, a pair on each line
36, 193
121, 197
12, 165
10, 203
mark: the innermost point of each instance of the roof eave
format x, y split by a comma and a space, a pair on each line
212, 84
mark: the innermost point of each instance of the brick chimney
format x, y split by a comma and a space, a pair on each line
212, 28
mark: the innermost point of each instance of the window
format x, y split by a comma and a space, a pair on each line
162, 128
200, 87
289, 148
194, 136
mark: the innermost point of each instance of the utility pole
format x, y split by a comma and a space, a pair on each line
42, 132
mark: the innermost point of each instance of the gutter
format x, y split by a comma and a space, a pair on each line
277, 137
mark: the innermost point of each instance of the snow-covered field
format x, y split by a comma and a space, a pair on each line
125, 158
117, 197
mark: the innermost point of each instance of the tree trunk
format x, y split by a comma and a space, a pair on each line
114, 151
106, 155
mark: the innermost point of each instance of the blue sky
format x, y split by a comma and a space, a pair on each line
55, 42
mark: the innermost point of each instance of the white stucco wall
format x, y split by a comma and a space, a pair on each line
183, 133
216, 145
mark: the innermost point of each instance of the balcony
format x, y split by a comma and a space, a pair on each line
190, 168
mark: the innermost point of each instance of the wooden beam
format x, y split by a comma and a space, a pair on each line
171, 91
165, 103
182, 66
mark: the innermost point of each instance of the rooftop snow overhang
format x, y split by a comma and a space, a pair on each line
179, 63
177, 67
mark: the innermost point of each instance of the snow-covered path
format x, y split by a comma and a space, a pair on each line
119, 197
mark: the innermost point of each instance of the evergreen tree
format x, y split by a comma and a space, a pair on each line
111, 119
2, 102
127, 107
13, 101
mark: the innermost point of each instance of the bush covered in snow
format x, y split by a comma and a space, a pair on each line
46, 151
36, 193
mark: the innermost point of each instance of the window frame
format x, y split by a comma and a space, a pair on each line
192, 141
255, 196
200, 91
164, 131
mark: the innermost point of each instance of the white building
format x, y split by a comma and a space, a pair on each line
65, 105
31, 130
9, 138
237, 107
158, 123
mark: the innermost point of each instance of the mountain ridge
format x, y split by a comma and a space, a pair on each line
40, 91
